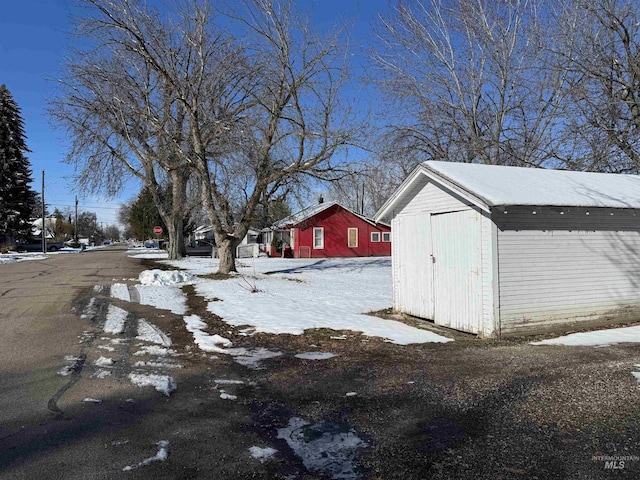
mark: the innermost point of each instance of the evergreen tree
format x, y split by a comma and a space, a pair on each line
144, 215
16, 196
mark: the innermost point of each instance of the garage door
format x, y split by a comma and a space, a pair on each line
413, 292
457, 283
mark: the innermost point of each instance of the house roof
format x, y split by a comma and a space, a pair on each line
494, 185
311, 211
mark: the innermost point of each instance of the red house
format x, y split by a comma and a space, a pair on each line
330, 230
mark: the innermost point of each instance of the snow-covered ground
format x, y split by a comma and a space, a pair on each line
597, 338
13, 257
293, 295
20, 257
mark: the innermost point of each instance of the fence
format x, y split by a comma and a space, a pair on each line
248, 251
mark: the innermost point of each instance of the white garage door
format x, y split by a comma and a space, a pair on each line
457, 284
412, 269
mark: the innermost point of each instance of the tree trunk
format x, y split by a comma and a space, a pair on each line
176, 238
175, 219
227, 255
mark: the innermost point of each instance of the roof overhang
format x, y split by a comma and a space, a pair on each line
386, 212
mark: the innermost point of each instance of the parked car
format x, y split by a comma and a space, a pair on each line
75, 244
201, 248
35, 245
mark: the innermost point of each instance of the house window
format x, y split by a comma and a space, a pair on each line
386, 236
353, 238
375, 237
318, 237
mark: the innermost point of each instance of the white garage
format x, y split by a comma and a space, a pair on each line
496, 250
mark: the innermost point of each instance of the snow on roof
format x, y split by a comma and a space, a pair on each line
302, 215
309, 212
500, 185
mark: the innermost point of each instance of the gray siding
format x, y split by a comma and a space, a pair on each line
555, 268
557, 218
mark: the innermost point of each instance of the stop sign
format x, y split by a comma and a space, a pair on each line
157, 230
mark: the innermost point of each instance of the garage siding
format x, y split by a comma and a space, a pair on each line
550, 276
488, 274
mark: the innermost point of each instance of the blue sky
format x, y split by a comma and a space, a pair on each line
34, 37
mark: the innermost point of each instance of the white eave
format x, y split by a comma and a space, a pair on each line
385, 213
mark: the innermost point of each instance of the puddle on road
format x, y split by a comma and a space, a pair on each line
324, 447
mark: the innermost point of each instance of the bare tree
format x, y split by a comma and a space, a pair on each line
470, 82
366, 189
132, 103
165, 99
598, 44
296, 122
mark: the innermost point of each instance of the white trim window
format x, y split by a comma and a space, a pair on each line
375, 237
386, 236
352, 236
318, 238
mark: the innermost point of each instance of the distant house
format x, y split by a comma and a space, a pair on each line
36, 227
496, 250
329, 230
248, 247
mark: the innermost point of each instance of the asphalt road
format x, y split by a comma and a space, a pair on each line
39, 325
52, 317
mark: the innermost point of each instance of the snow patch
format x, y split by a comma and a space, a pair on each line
90, 310
162, 383
148, 253
164, 297
262, 454
228, 382
116, 318
150, 333
101, 373
74, 364
120, 291
252, 358
161, 456
599, 338
91, 400
154, 350
323, 447
103, 362
205, 341
226, 396
164, 277
218, 344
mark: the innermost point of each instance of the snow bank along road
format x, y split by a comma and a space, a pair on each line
115, 366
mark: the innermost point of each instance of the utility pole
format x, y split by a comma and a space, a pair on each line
75, 225
42, 230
